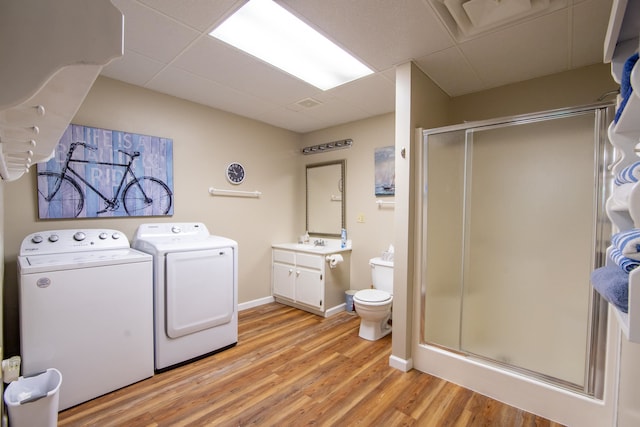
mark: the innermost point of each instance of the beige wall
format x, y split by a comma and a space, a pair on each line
568, 89
204, 141
375, 234
419, 103
2, 184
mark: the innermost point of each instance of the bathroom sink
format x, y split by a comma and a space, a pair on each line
329, 248
306, 247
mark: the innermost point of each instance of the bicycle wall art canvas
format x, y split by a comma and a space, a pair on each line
97, 173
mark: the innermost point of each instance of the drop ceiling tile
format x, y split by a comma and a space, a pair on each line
335, 111
152, 34
167, 49
214, 60
535, 48
292, 120
132, 68
381, 33
177, 82
451, 72
589, 32
198, 14
374, 94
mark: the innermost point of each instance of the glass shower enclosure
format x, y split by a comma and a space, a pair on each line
513, 223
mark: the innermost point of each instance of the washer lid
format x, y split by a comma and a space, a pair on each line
373, 295
75, 260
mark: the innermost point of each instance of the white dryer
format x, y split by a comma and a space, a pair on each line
85, 309
195, 290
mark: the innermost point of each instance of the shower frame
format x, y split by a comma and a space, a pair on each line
597, 328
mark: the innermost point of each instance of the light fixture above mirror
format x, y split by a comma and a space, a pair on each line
334, 145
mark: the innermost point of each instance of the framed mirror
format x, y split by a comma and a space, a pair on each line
326, 198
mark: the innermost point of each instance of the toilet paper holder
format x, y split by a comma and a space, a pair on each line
334, 260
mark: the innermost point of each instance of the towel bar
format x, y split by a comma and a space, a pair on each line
234, 193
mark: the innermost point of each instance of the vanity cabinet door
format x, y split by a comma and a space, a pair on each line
309, 287
284, 280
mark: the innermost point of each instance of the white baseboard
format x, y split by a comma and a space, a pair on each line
335, 310
255, 303
400, 364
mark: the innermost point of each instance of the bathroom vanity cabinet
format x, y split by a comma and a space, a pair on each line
302, 277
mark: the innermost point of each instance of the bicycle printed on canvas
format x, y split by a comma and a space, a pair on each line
115, 174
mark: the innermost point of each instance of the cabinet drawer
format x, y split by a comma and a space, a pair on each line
287, 257
309, 261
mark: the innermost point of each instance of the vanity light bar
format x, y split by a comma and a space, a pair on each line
334, 145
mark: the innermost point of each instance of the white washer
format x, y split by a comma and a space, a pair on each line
195, 290
85, 309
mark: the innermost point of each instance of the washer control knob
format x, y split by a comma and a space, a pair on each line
115, 236
79, 236
54, 238
176, 229
103, 236
36, 239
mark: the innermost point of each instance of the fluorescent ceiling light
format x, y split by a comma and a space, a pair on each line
266, 30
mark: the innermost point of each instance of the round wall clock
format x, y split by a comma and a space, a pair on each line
235, 173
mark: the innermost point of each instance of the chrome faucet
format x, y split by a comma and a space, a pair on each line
318, 242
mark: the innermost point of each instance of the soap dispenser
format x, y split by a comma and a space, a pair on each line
343, 238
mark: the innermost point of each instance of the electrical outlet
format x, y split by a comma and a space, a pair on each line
360, 218
11, 369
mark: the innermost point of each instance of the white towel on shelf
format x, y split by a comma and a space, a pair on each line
628, 243
629, 174
619, 199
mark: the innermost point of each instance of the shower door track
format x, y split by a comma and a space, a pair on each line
521, 118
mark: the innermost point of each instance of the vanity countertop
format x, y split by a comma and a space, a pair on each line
329, 248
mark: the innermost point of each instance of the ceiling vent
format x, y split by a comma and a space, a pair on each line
308, 103
470, 18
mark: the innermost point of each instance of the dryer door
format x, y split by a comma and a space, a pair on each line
199, 290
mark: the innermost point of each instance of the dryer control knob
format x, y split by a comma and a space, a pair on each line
176, 229
53, 238
36, 239
115, 236
103, 236
79, 236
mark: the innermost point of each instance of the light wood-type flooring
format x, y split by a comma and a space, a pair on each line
292, 368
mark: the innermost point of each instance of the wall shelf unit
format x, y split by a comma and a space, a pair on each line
52, 51
623, 206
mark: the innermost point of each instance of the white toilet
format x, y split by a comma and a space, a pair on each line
374, 305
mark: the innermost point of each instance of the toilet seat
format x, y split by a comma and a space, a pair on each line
373, 296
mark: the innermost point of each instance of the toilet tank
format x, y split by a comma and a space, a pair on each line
382, 274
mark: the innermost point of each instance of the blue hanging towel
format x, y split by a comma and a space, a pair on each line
625, 84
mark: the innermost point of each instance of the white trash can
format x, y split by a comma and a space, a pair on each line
33, 401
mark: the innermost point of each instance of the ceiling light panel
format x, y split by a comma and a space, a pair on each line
269, 32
